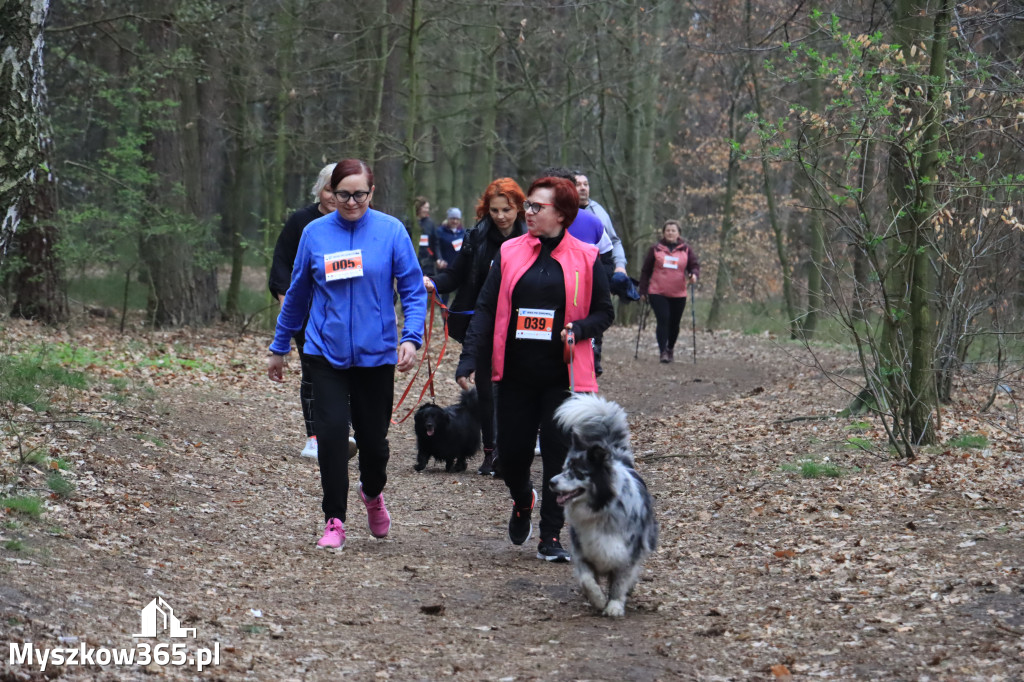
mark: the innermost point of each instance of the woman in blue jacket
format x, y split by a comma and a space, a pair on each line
346, 268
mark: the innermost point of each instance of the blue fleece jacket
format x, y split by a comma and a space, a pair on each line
352, 320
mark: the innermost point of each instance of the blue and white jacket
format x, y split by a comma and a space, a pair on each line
352, 320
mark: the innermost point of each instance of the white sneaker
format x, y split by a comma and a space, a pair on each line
353, 449
311, 449
536, 448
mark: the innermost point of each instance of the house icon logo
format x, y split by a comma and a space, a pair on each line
158, 616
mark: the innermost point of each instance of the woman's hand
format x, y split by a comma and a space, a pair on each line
565, 332
693, 278
275, 368
466, 382
429, 284
406, 356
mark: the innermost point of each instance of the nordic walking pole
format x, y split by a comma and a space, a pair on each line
693, 321
640, 327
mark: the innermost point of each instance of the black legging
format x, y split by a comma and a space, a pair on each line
485, 396
669, 313
523, 407
365, 395
305, 385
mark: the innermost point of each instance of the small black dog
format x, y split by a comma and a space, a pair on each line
448, 434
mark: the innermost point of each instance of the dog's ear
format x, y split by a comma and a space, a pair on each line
597, 456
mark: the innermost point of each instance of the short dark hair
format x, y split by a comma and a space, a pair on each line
566, 200
347, 167
672, 221
558, 172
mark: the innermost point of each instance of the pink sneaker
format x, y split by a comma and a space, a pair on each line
334, 535
376, 513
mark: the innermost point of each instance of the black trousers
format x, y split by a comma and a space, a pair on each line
485, 395
669, 313
364, 395
305, 386
523, 407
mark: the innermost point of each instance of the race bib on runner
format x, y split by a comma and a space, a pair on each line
343, 265
535, 323
671, 262
457, 244
424, 241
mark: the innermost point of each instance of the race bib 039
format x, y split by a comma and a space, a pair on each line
671, 262
535, 323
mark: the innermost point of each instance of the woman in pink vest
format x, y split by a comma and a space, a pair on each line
670, 265
540, 285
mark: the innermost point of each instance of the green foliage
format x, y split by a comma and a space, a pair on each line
974, 441
14, 546
809, 467
24, 505
858, 443
120, 202
158, 357
60, 486
30, 380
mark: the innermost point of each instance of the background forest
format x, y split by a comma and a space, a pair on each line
854, 168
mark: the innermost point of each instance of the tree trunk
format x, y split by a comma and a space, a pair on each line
910, 331
732, 179
178, 252
28, 187
773, 213
412, 114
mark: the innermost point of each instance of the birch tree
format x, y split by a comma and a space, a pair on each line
27, 186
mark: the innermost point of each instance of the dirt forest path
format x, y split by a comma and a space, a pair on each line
196, 494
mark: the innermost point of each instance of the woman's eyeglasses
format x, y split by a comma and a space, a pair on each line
532, 207
344, 196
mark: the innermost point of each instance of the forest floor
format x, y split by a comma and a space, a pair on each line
188, 486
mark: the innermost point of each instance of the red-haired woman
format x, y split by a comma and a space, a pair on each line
347, 266
541, 285
500, 217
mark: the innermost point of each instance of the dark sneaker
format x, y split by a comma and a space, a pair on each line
552, 550
519, 527
671, 356
664, 357
490, 458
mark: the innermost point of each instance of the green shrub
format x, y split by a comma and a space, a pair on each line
31, 381
60, 486
811, 468
968, 441
24, 505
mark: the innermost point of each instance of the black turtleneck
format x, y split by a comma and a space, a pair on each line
542, 286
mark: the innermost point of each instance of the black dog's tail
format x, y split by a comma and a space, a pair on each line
592, 420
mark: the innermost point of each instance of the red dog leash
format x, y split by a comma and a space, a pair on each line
426, 358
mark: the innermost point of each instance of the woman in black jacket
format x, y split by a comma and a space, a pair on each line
500, 217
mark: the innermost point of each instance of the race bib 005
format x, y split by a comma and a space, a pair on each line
535, 323
343, 265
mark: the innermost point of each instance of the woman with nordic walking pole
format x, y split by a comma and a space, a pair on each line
669, 267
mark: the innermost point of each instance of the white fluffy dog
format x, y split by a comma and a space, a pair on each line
610, 513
